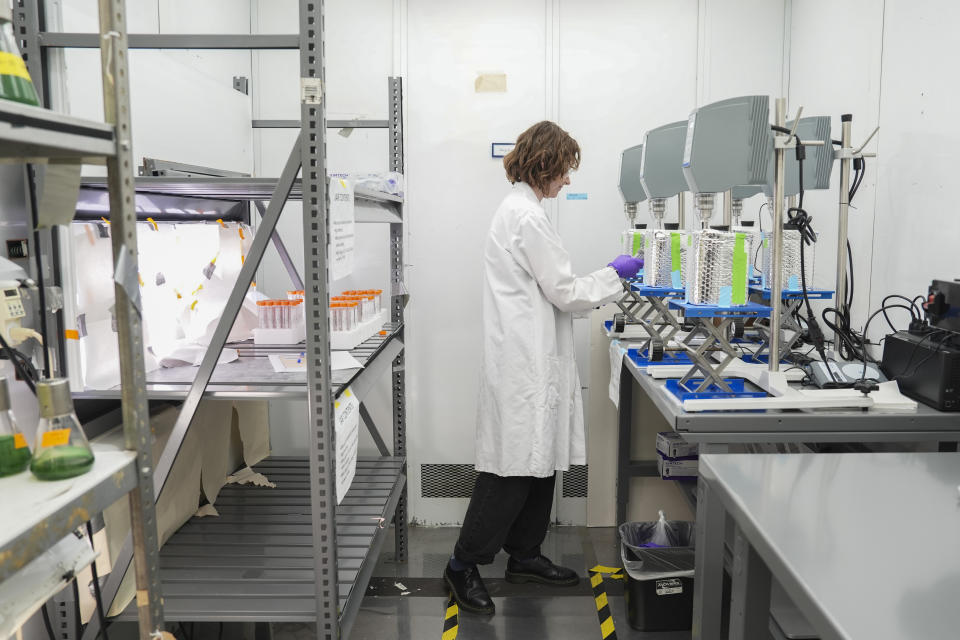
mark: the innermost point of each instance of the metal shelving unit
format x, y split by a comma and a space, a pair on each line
40, 514
336, 546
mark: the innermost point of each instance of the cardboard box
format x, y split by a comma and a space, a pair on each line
670, 468
672, 445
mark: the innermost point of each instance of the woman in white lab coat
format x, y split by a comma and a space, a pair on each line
530, 417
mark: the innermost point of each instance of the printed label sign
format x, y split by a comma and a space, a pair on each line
55, 438
342, 229
669, 587
347, 417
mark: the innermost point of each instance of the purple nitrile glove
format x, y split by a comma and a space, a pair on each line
626, 266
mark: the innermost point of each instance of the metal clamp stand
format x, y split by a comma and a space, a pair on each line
705, 378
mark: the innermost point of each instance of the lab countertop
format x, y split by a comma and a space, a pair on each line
818, 425
866, 545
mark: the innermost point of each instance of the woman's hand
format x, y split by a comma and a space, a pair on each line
626, 266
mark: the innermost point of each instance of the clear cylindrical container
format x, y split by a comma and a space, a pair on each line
62, 449
353, 316
295, 295
14, 453
262, 314
299, 313
379, 294
15, 82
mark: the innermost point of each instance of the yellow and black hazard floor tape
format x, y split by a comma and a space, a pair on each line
607, 629
451, 620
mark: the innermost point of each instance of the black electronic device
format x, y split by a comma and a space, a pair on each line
943, 304
926, 365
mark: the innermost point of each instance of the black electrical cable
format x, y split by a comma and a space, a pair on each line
18, 365
35, 216
866, 329
947, 335
96, 587
46, 622
76, 607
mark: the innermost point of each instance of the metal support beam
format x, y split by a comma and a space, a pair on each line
374, 432
26, 24
205, 371
624, 438
708, 582
281, 248
323, 444
398, 302
749, 592
123, 219
50, 40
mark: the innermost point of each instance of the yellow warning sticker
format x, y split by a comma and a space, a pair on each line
19, 442
13, 65
55, 438
71, 334
601, 601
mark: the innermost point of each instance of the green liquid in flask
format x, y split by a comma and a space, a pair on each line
12, 459
57, 463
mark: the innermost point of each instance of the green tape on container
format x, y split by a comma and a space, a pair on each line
637, 243
765, 243
675, 251
739, 270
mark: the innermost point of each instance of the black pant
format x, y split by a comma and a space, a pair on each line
511, 513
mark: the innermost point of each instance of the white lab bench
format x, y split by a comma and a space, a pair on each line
866, 545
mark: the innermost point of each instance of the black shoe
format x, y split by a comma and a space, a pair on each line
468, 590
540, 569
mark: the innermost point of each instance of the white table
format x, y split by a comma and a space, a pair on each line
866, 545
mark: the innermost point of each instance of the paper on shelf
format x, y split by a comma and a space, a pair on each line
249, 476
288, 363
347, 417
342, 223
343, 360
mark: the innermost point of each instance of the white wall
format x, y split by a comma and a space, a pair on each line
884, 65
843, 77
455, 187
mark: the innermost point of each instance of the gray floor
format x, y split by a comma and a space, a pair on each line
541, 613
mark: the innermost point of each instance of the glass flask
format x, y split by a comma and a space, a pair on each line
14, 452
62, 450
15, 82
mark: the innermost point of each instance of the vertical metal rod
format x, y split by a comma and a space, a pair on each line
323, 441
728, 207
840, 300
367, 419
682, 210
776, 286
136, 426
281, 248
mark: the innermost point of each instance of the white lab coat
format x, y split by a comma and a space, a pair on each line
530, 414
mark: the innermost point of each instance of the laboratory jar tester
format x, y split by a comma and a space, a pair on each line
525, 434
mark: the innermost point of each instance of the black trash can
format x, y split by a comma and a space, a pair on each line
659, 590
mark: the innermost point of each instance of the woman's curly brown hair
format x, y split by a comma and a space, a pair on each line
543, 153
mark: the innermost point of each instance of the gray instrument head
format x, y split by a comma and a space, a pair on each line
728, 144
661, 170
630, 186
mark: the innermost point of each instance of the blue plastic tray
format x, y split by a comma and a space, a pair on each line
713, 391
793, 294
761, 358
749, 310
669, 357
660, 292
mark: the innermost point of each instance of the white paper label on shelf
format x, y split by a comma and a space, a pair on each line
342, 224
347, 415
616, 366
311, 91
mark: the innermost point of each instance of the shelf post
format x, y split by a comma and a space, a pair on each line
398, 297
136, 426
323, 458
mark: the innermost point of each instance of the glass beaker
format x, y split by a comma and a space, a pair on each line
62, 450
14, 453
15, 82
